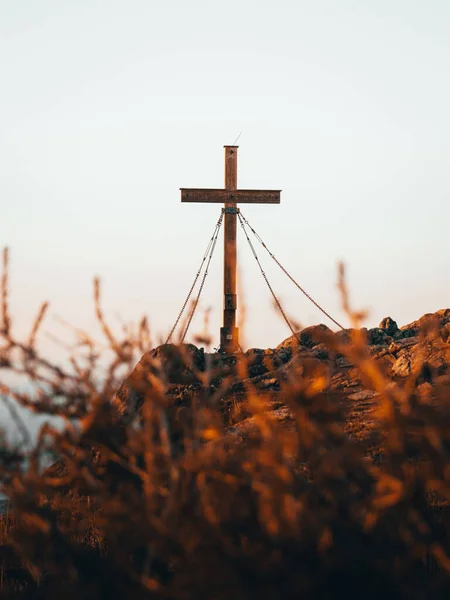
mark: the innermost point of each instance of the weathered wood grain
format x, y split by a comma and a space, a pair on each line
219, 196
228, 334
231, 197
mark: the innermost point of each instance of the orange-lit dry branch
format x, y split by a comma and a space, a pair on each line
220, 486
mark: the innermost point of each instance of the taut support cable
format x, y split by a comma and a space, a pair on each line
207, 256
213, 246
265, 276
242, 218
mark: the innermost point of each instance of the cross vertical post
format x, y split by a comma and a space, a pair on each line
230, 197
229, 337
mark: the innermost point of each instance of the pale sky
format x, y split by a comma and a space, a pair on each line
109, 107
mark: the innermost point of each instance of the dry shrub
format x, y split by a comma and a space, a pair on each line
164, 500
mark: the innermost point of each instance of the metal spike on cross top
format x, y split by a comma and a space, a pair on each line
230, 196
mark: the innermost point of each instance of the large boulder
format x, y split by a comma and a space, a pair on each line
169, 363
429, 321
389, 326
437, 319
431, 352
258, 361
176, 364
308, 337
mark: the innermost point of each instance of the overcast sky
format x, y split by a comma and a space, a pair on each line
109, 107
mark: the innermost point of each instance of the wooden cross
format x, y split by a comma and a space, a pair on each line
230, 197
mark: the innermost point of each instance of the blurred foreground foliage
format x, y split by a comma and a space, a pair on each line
164, 501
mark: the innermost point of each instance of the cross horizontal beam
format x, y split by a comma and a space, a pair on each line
221, 196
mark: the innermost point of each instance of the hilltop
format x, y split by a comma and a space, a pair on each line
320, 466
418, 352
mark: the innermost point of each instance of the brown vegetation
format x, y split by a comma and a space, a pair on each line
221, 486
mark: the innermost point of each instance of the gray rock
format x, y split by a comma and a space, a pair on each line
378, 337
389, 326
258, 361
282, 356
405, 333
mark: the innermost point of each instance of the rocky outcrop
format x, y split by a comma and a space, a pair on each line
389, 326
379, 337
420, 350
434, 354
168, 363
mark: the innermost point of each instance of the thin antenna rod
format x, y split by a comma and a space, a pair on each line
236, 140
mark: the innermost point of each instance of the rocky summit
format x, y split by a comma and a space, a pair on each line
418, 352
